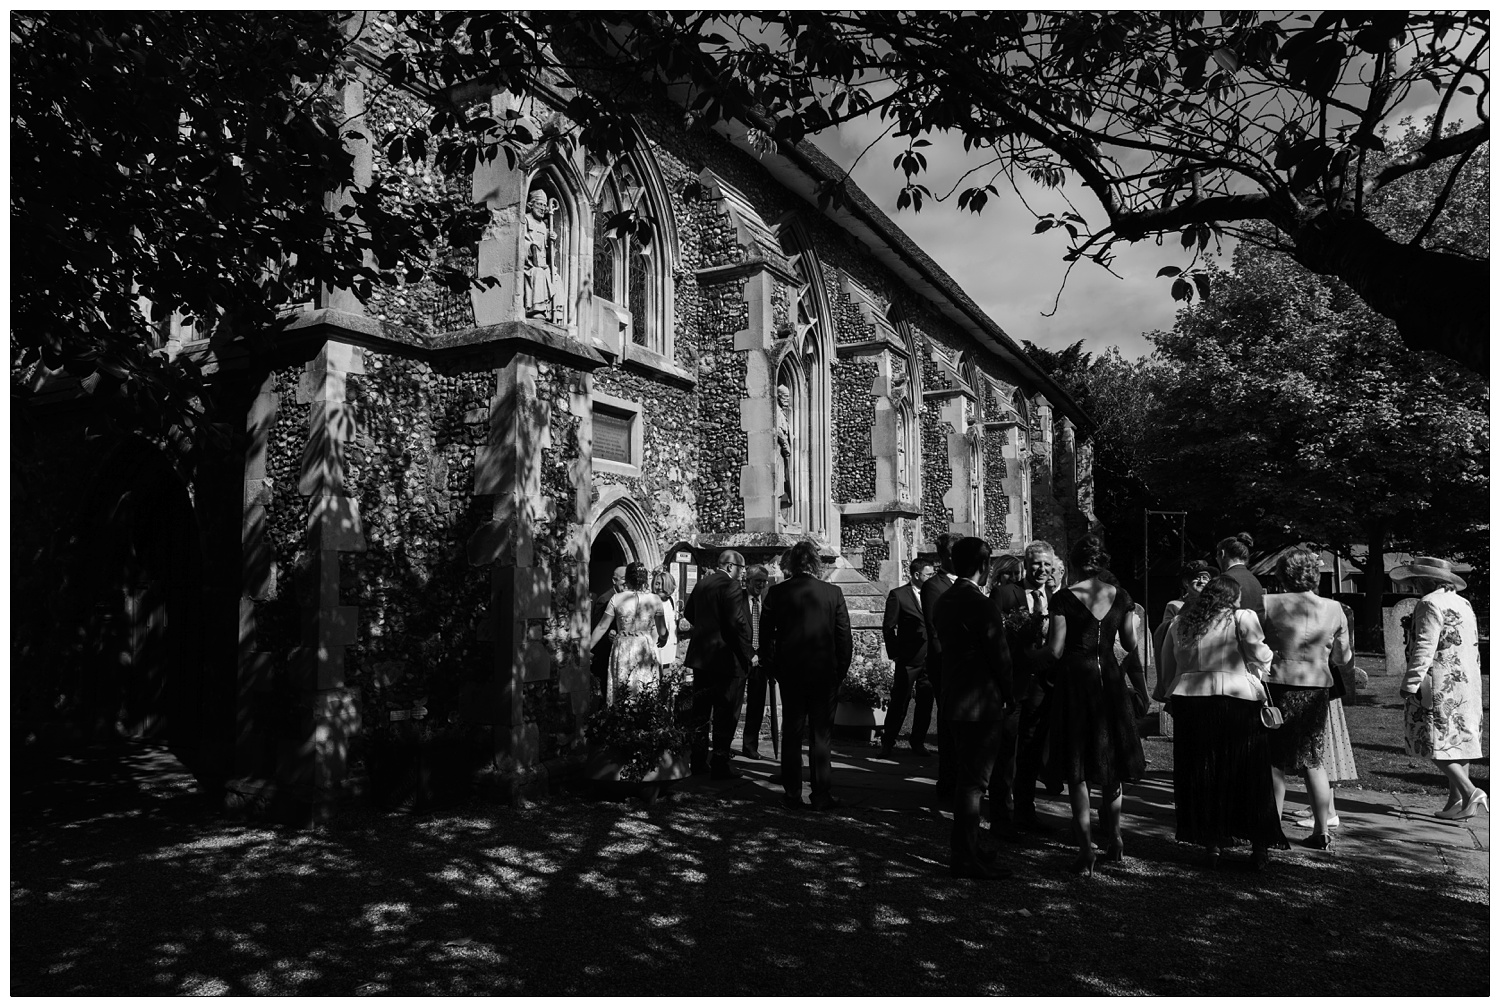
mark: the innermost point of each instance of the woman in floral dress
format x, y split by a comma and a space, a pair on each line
1444, 698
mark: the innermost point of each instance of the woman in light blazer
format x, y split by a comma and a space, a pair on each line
1308, 638
1212, 660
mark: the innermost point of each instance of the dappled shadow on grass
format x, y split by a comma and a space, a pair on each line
131, 889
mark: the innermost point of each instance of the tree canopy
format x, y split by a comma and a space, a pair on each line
1177, 123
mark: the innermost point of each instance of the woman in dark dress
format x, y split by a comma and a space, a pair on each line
1094, 740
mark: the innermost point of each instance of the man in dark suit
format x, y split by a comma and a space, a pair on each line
806, 639
599, 661
906, 643
1023, 609
757, 579
1233, 553
934, 588
719, 654
976, 698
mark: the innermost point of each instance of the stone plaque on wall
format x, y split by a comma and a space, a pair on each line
612, 437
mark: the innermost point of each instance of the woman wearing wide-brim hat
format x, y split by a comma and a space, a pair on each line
1444, 697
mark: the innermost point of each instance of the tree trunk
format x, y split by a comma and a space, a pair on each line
1370, 634
1439, 301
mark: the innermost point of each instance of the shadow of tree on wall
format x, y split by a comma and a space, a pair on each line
120, 884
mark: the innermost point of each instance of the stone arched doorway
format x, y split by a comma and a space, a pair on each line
619, 534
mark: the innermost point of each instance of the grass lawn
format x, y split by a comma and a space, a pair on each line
1377, 731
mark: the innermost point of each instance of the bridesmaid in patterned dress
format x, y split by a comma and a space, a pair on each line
1444, 697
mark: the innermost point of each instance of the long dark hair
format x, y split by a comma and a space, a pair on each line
1222, 594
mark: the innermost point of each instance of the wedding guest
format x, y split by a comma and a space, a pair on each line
635, 619
1233, 554
719, 654
905, 634
932, 589
1213, 659
1309, 638
599, 657
1338, 750
1023, 610
1192, 580
1444, 696
1094, 740
976, 698
1006, 570
808, 646
757, 581
664, 586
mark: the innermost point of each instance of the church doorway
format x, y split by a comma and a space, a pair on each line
612, 549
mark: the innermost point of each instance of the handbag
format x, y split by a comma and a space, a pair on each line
1270, 716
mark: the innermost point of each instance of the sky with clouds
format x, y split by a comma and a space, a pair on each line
1011, 273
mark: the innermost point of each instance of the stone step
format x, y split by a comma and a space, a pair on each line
865, 620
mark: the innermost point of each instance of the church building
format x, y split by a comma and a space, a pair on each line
425, 489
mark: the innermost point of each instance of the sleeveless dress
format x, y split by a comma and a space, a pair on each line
1094, 736
634, 660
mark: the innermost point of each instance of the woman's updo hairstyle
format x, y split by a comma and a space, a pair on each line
1089, 555
1237, 546
637, 576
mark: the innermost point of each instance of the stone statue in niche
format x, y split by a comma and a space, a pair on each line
784, 441
903, 472
542, 286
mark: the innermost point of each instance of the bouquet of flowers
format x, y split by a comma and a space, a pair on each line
1025, 629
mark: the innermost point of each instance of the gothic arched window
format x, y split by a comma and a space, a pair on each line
632, 267
804, 371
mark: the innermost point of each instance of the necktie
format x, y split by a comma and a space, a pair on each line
754, 623
1036, 601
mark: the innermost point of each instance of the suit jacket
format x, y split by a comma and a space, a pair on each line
976, 657
937, 585
721, 630
1252, 595
805, 637
1029, 659
1306, 635
904, 628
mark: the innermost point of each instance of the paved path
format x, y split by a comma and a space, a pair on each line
1375, 825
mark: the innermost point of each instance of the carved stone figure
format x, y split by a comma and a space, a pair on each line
541, 287
784, 441
903, 462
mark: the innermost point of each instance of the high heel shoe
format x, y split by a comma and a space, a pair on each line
1478, 799
1114, 853
1084, 863
1317, 841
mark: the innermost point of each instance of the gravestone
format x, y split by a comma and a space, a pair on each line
1395, 635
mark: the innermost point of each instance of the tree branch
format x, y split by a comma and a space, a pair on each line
1428, 154
1214, 209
